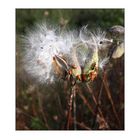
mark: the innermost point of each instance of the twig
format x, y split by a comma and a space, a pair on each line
98, 108
82, 125
86, 103
72, 94
74, 107
41, 109
110, 98
100, 93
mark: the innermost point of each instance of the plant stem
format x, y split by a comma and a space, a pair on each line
98, 108
74, 107
72, 100
110, 98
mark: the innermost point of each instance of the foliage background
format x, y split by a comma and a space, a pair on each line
42, 107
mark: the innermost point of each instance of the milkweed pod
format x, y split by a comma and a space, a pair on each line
60, 66
61, 62
91, 61
118, 51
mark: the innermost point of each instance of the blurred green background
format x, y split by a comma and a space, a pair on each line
42, 107
73, 18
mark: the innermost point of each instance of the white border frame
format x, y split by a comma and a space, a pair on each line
7, 70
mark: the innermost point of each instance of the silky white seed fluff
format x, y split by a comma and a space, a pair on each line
43, 42
41, 45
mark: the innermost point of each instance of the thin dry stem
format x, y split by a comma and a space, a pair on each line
74, 107
99, 109
41, 109
105, 82
82, 125
87, 103
71, 100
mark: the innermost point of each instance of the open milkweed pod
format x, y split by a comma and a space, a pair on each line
100, 45
60, 66
85, 64
90, 69
42, 45
75, 65
87, 55
117, 34
61, 62
118, 51
89, 52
